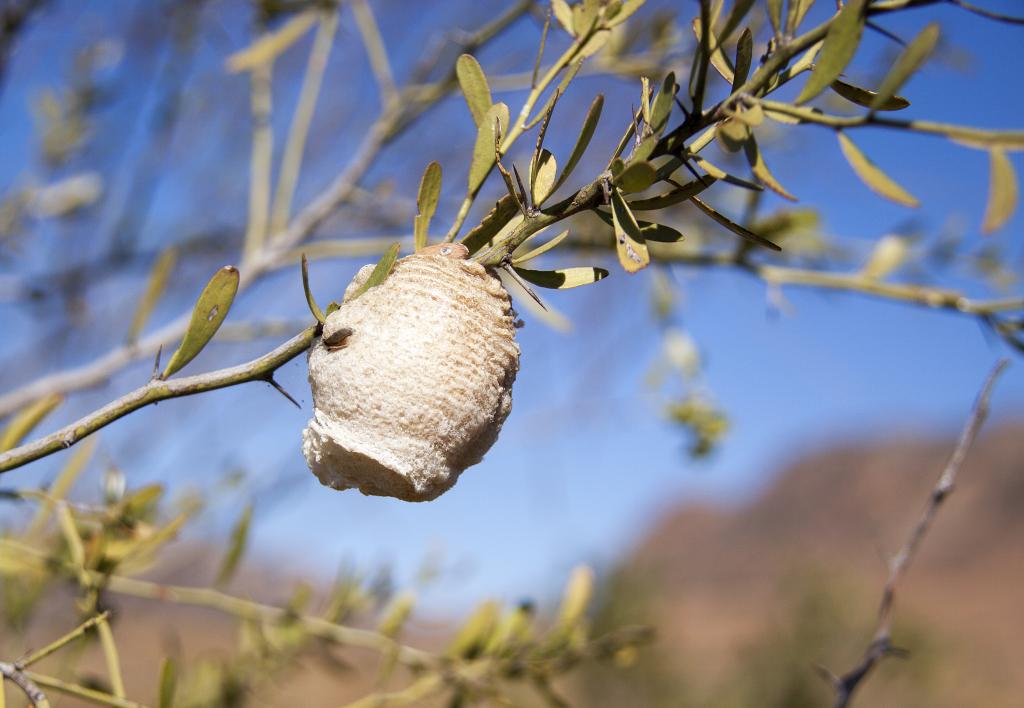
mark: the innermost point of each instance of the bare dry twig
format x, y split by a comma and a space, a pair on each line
881, 644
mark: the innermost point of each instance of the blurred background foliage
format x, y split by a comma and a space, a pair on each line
148, 144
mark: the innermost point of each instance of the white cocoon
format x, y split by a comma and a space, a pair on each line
423, 384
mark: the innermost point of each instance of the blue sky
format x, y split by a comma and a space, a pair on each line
585, 463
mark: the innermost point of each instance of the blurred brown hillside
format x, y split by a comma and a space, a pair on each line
748, 600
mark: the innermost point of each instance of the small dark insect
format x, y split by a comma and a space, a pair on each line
452, 250
337, 339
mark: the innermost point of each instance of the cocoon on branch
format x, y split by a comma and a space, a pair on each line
419, 389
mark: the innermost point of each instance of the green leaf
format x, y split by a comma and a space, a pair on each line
578, 592
761, 171
913, 56
625, 11
540, 250
545, 180
629, 242
583, 140
872, 176
775, 15
637, 176
380, 272
718, 58
210, 310
158, 277
733, 226
396, 615
744, 56
732, 134
672, 197
840, 46
563, 278
483, 151
474, 86
1002, 192
584, 15
796, 13
27, 419
719, 173
563, 13
866, 98
310, 300
426, 204
888, 254
567, 77
168, 683
662, 107
495, 220
649, 230
236, 547
740, 8
475, 634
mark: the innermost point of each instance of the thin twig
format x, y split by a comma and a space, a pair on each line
881, 644
374, 43
25, 684
158, 390
60, 643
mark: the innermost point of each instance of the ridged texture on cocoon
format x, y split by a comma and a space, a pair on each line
423, 384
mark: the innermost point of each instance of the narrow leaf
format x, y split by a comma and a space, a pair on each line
544, 182
540, 250
840, 45
795, 14
629, 242
872, 176
426, 204
27, 419
158, 277
740, 8
913, 56
775, 15
636, 177
483, 151
662, 108
626, 10
563, 13
718, 58
314, 309
168, 683
380, 272
495, 220
583, 141
744, 56
236, 547
563, 278
474, 86
761, 171
676, 196
866, 98
269, 46
210, 310
732, 134
733, 226
888, 254
1002, 194
648, 229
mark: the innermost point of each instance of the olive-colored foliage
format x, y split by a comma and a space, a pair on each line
664, 168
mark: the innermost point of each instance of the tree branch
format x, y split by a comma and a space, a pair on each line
157, 390
881, 644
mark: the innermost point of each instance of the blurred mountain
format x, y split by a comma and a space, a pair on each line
748, 600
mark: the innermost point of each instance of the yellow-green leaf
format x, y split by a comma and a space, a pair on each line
475, 634
168, 683
625, 11
380, 271
649, 230
583, 141
544, 181
840, 45
210, 310
27, 419
872, 176
672, 197
888, 254
761, 171
540, 250
483, 151
909, 61
584, 15
629, 242
495, 220
1002, 192
578, 592
563, 13
474, 86
60, 487
314, 308
775, 15
732, 134
636, 177
269, 46
426, 204
718, 58
866, 98
733, 226
795, 14
396, 615
563, 278
236, 547
158, 277
662, 107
